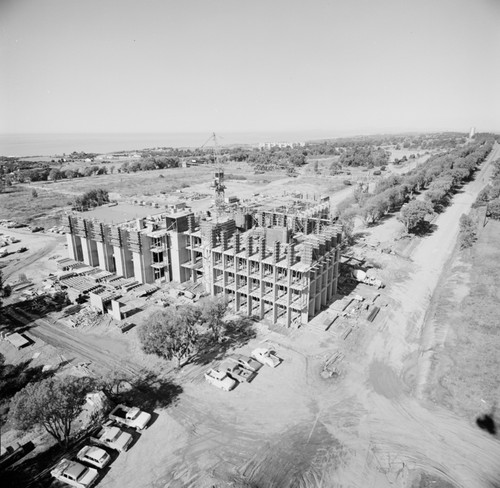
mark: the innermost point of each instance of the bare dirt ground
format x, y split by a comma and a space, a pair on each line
35, 263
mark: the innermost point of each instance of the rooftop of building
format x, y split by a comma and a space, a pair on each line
123, 212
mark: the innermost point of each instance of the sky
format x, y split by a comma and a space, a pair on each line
351, 66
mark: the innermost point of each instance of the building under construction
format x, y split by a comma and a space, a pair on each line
271, 260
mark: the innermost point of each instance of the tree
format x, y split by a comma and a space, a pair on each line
413, 213
34, 193
55, 174
171, 334
91, 198
467, 234
212, 313
53, 403
88, 171
6, 291
493, 209
346, 220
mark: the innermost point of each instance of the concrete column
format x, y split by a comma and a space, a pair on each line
71, 246
94, 258
249, 282
85, 251
138, 271
105, 253
275, 291
288, 316
117, 253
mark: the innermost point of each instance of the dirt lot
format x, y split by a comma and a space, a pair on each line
40, 258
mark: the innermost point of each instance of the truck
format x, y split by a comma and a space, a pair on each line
74, 474
220, 379
237, 371
266, 356
111, 436
130, 416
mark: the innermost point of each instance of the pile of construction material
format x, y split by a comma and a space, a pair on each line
366, 277
331, 367
85, 318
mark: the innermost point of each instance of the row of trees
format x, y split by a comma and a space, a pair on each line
441, 175
368, 156
150, 163
490, 195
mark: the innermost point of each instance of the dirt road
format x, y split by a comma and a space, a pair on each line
106, 353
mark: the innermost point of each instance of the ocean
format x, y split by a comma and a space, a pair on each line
24, 145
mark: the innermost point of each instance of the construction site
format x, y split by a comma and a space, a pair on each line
355, 394
270, 258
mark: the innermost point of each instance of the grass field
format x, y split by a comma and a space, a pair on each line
18, 204
464, 376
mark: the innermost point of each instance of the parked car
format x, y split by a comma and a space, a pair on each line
22, 249
266, 356
130, 416
74, 474
36, 228
246, 362
94, 455
113, 437
220, 379
237, 371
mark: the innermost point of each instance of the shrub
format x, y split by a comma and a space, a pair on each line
467, 234
493, 209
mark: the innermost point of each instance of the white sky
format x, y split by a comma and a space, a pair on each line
252, 65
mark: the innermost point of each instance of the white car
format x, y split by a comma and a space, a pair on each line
220, 379
74, 474
112, 437
266, 356
94, 455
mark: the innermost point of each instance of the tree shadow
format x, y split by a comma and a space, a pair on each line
237, 333
424, 229
34, 471
19, 316
149, 393
356, 238
13, 378
487, 423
